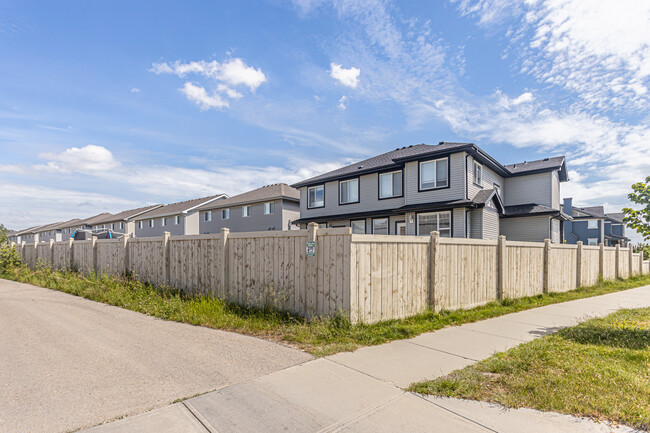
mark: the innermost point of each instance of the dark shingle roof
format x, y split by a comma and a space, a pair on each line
616, 217
532, 209
127, 214
540, 165
177, 208
268, 192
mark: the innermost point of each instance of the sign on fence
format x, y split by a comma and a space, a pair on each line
310, 249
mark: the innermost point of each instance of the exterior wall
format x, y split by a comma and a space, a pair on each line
475, 218
555, 231
48, 235
582, 233
368, 198
532, 188
531, 229
490, 223
455, 191
158, 229
285, 211
489, 179
458, 223
555, 190
191, 224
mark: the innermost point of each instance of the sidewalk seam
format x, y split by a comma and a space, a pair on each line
200, 418
457, 414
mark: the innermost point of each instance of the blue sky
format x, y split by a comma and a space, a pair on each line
106, 106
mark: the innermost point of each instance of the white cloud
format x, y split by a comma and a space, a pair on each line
342, 102
348, 77
135, 90
200, 97
224, 77
86, 159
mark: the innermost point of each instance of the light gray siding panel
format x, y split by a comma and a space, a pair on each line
158, 229
490, 223
532, 229
458, 228
533, 188
457, 183
555, 190
192, 224
555, 231
476, 224
258, 221
368, 199
489, 179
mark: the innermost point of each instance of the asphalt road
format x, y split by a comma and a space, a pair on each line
67, 363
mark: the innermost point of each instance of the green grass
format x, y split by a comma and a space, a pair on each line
319, 337
599, 369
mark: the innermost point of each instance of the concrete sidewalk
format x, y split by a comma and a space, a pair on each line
362, 391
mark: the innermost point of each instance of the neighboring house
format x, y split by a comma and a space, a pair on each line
593, 226
176, 218
454, 188
68, 229
21, 235
51, 231
271, 207
122, 222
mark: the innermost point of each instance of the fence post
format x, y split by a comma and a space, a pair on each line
601, 260
501, 266
311, 265
52, 253
225, 263
94, 246
579, 265
617, 260
547, 262
71, 252
641, 262
165, 258
630, 273
22, 250
433, 282
126, 254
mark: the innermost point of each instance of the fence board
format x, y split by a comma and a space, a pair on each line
563, 268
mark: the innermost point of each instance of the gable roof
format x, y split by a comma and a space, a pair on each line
265, 193
88, 221
127, 214
616, 217
533, 209
179, 207
395, 158
485, 195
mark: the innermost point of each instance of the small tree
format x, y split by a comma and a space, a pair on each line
639, 220
3, 234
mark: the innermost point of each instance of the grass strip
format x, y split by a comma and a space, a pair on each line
320, 337
598, 369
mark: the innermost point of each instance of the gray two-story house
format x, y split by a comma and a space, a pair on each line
122, 223
69, 228
456, 189
592, 226
271, 207
180, 218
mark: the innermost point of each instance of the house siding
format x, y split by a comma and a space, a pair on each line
555, 231
159, 229
533, 188
285, 211
533, 229
455, 191
476, 224
490, 223
488, 181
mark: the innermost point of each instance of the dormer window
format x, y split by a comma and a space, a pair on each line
434, 174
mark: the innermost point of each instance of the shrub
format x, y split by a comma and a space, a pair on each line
9, 257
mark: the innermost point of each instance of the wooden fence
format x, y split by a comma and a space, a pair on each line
319, 272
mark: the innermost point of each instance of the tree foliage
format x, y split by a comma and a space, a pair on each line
3, 234
639, 220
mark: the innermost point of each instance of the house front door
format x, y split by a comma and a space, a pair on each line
400, 228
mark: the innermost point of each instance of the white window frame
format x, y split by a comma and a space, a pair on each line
112, 226
392, 184
163, 222
437, 228
364, 226
478, 174
589, 224
592, 241
177, 220
387, 225
207, 216
140, 225
225, 214
435, 174
269, 208
122, 225
348, 182
152, 223
309, 204
246, 211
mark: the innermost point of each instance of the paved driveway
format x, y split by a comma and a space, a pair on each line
68, 363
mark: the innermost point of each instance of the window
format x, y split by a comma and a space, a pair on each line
225, 214
112, 226
316, 196
434, 221
163, 222
358, 227
322, 225
207, 216
246, 211
269, 208
390, 184
103, 226
478, 174
592, 241
380, 226
151, 223
433, 174
592, 224
349, 191
140, 225
177, 220
121, 225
